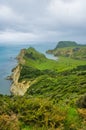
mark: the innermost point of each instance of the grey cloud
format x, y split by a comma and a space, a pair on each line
48, 20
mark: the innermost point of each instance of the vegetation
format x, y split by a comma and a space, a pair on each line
38, 113
69, 49
57, 98
63, 44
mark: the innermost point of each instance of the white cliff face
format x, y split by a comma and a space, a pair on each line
18, 88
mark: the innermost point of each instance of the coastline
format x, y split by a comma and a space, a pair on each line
18, 88
8, 61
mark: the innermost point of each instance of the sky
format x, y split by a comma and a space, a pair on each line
42, 21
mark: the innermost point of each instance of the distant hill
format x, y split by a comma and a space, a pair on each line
62, 44
69, 49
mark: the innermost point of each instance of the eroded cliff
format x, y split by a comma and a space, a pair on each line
19, 88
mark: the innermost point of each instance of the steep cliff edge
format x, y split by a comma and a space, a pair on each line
19, 88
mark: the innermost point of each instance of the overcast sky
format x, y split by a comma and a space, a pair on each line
42, 20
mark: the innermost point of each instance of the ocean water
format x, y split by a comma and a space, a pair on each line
8, 60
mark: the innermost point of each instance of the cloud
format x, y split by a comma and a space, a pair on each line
47, 20
8, 18
13, 36
68, 13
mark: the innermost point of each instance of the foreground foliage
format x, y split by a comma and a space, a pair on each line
38, 113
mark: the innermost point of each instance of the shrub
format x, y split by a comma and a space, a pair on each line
81, 102
41, 112
9, 122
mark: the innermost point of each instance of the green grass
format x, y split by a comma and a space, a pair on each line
65, 63
33, 128
72, 120
42, 63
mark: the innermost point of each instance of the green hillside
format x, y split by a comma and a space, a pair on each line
56, 80
69, 49
62, 44
56, 99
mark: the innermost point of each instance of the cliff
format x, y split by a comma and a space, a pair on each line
18, 88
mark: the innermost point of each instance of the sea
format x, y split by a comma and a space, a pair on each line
8, 54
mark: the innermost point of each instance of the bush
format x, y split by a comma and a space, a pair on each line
41, 112
9, 122
81, 102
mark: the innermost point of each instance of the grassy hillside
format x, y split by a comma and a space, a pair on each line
57, 80
69, 49
56, 99
62, 44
